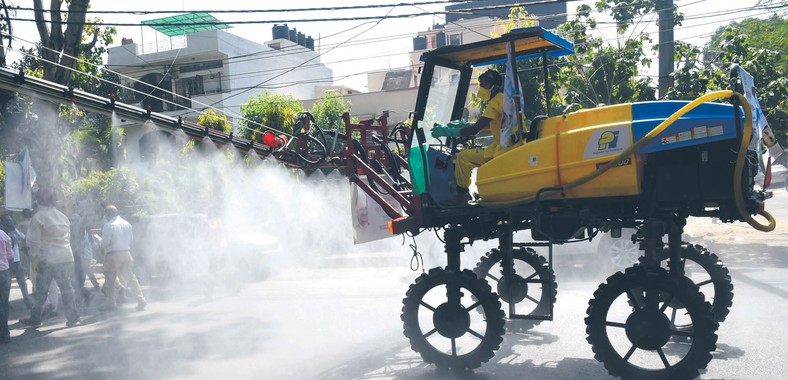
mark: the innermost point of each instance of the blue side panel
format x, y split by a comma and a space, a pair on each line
442, 186
706, 123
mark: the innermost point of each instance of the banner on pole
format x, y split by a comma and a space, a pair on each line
510, 95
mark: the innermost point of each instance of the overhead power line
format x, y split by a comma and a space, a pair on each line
309, 60
281, 52
481, 24
327, 19
468, 11
292, 50
284, 10
258, 72
277, 85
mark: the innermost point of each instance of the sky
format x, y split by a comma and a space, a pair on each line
353, 48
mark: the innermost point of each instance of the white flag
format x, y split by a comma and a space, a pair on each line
509, 122
20, 181
758, 120
29, 174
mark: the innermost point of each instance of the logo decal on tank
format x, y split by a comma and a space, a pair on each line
608, 141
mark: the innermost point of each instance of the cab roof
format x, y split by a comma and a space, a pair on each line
529, 43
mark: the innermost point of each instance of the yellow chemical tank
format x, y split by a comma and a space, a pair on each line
568, 147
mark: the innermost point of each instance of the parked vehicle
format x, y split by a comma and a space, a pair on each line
186, 246
167, 246
250, 251
598, 258
779, 173
618, 253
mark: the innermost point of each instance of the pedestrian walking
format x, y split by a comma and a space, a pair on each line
52, 303
89, 245
82, 248
6, 258
8, 225
25, 255
115, 239
48, 239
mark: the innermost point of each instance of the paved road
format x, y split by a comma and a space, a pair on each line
338, 318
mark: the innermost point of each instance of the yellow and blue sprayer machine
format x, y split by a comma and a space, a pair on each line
646, 166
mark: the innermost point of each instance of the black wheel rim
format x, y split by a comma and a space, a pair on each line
631, 325
529, 290
710, 275
450, 332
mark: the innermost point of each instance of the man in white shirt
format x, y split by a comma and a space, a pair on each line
48, 239
116, 238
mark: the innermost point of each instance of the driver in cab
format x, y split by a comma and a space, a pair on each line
491, 92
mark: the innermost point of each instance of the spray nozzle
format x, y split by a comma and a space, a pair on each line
69, 94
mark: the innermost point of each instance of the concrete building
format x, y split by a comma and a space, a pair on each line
391, 92
549, 14
320, 91
397, 104
394, 92
455, 33
212, 69
215, 69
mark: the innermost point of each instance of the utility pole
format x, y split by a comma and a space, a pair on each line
665, 11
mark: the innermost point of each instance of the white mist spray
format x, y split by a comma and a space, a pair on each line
245, 202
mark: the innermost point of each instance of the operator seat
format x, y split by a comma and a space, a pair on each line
533, 130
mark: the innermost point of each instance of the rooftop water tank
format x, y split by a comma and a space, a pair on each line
280, 31
292, 35
419, 43
301, 39
310, 43
440, 39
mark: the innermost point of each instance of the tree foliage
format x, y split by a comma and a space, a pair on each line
91, 147
601, 73
771, 33
529, 71
73, 57
212, 120
70, 53
518, 18
119, 186
628, 13
777, 5
328, 111
88, 75
691, 78
269, 111
698, 72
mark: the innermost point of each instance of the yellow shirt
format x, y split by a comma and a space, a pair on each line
494, 112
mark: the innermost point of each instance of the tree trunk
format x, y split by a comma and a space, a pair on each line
47, 148
57, 66
59, 51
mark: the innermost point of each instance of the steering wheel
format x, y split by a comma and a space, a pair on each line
453, 143
298, 127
